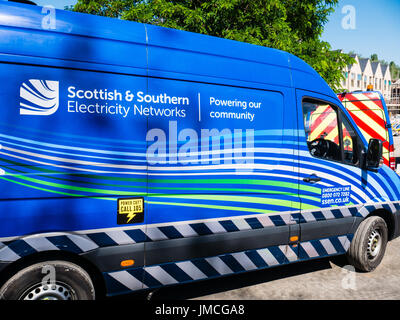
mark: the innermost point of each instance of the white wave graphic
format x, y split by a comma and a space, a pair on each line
39, 97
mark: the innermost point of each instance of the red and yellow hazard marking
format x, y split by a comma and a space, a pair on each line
367, 111
324, 125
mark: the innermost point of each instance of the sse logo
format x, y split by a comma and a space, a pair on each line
39, 97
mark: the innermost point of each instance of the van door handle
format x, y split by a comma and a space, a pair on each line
312, 179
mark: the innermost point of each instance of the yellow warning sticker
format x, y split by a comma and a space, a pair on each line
130, 210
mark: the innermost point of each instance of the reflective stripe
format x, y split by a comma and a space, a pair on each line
160, 275
127, 280
309, 249
191, 270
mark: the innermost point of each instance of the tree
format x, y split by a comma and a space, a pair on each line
292, 26
394, 70
374, 57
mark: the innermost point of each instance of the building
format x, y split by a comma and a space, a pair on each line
354, 75
393, 103
378, 76
387, 81
367, 73
363, 73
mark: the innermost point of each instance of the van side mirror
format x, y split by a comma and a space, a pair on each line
374, 153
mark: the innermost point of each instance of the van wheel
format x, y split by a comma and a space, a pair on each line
49, 280
369, 244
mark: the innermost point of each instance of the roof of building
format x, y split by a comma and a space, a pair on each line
384, 67
363, 63
353, 55
375, 66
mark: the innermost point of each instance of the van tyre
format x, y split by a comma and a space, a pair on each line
369, 244
49, 280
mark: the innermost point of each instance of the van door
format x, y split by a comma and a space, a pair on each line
331, 184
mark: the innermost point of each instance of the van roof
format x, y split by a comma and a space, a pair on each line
114, 41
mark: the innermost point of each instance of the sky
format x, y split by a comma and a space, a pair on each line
362, 26
58, 4
376, 29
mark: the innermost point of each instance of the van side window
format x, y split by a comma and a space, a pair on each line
350, 142
322, 130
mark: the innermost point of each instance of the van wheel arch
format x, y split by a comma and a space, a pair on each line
24, 262
368, 245
389, 219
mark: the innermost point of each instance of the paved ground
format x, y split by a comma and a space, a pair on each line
318, 279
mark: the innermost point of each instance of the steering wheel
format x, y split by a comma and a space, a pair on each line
319, 147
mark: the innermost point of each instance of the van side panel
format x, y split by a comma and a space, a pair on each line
67, 155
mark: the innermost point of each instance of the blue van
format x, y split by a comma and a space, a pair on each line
134, 157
